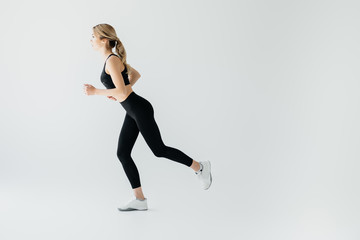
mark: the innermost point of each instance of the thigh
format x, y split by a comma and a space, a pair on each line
128, 135
149, 130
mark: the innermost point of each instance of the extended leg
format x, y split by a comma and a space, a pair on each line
151, 133
128, 135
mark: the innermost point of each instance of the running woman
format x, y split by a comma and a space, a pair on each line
118, 77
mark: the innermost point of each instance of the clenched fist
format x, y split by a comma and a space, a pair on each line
89, 89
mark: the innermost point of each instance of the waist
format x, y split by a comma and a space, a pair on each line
121, 98
130, 95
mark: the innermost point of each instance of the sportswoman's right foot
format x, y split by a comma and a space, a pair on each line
135, 204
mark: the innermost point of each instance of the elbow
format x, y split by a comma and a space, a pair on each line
124, 93
120, 92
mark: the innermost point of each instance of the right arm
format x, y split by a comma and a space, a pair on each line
134, 76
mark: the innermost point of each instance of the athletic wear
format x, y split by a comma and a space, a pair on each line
204, 175
135, 204
106, 78
140, 117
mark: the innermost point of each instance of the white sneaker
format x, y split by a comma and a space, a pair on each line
135, 204
205, 175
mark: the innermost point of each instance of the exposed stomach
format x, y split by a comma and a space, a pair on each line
122, 97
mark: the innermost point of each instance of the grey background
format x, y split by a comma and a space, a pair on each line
268, 91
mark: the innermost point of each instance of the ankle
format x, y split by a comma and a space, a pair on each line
195, 166
140, 197
200, 169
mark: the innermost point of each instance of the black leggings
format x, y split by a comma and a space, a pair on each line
140, 117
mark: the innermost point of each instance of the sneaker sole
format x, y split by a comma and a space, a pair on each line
210, 177
131, 209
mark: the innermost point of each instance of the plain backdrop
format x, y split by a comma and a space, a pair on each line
268, 91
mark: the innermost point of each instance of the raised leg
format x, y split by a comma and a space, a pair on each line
150, 131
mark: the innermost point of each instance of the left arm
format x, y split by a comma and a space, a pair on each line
91, 90
120, 90
107, 92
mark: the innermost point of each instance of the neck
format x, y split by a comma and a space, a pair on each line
105, 53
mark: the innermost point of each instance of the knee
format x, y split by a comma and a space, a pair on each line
160, 151
123, 156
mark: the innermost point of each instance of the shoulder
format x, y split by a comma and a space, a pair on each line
113, 58
114, 62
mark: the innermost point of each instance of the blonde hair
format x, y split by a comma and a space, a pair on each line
105, 30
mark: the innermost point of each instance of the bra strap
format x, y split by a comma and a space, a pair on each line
109, 56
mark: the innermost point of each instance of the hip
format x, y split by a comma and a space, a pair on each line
136, 104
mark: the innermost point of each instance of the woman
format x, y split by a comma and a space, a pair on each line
118, 77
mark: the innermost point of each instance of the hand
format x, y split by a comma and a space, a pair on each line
112, 98
89, 89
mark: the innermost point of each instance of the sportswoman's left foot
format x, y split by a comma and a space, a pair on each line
204, 174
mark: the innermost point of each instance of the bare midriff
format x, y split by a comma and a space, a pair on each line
128, 90
122, 97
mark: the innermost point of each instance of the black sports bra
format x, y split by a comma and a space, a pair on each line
106, 78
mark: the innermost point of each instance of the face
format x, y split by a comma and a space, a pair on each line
96, 43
